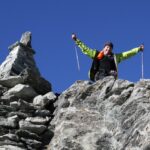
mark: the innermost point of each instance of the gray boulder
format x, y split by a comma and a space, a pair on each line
32, 144
11, 147
21, 115
40, 85
38, 129
38, 120
44, 100
27, 135
43, 113
10, 122
11, 81
22, 91
25, 106
9, 136
14, 105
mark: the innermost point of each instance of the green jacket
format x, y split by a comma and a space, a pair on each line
117, 57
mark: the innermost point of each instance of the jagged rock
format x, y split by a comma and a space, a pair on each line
50, 96
9, 136
45, 100
27, 134
7, 108
4, 110
47, 136
38, 129
22, 91
15, 105
26, 39
42, 113
3, 113
11, 147
32, 144
11, 81
21, 115
3, 130
2, 90
108, 114
30, 77
10, 122
7, 99
38, 100
25, 106
69, 95
38, 120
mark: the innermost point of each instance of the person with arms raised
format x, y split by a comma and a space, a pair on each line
105, 62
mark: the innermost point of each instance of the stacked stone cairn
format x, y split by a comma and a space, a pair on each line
26, 100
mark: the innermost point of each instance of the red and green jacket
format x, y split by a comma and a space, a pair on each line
119, 57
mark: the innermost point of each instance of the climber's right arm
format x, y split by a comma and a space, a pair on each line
85, 49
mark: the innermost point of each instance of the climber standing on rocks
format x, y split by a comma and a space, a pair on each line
105, 62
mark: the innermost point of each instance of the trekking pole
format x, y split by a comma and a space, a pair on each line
77, 58
142, 62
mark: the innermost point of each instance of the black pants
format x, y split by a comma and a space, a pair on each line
102, 74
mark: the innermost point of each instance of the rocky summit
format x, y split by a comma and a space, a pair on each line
105, 115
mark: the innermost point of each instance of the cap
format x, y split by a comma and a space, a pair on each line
109, 44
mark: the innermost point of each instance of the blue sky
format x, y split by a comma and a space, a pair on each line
125, 23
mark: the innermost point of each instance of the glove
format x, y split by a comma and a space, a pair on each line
141, 48
74, 37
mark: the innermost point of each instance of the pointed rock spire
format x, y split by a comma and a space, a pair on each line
26, 39
21, 66
19, 58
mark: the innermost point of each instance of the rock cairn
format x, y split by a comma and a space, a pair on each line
26, 100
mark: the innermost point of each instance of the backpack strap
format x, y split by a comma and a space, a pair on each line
94, 66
